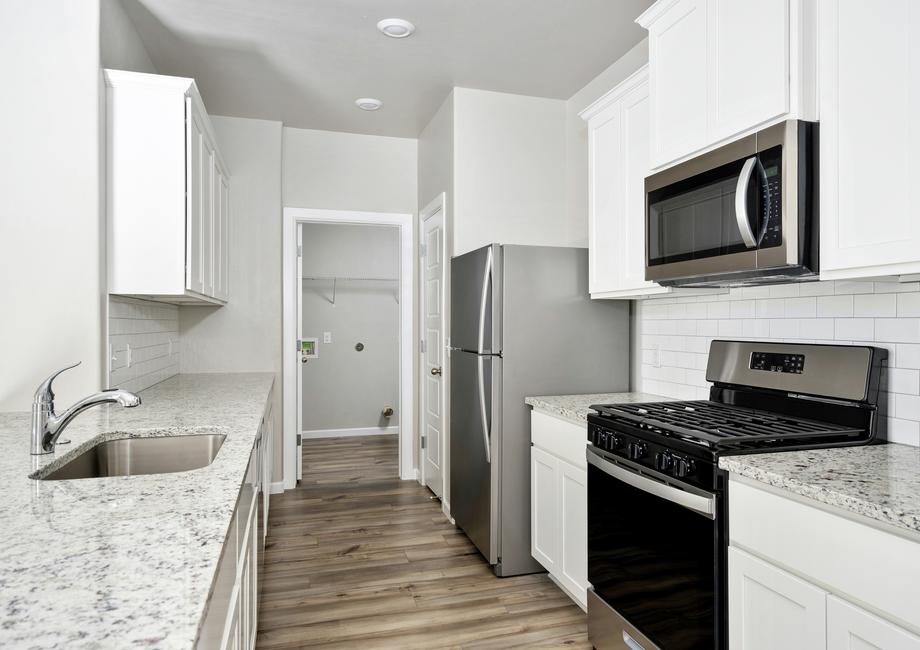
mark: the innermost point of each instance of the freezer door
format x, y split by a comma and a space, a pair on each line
474, 392
475, 300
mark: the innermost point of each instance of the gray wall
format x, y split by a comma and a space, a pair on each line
344, 388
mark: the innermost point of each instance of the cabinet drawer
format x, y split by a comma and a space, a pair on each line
559, 437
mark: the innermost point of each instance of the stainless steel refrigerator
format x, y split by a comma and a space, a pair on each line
521, 323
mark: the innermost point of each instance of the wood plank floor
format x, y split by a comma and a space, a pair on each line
356, 558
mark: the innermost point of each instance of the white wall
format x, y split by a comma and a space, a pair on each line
345, 388
122, 48
245, 334
509, 171
348, 171
436, 157
576, 133
51, 237
884, 314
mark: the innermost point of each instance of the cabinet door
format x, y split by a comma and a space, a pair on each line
573, 512
677, 67
852, 628
635, 163
222, 238
209, 172
869, 94
232, 638
769, 608
605, 173
544, 515
748, 63
194, 269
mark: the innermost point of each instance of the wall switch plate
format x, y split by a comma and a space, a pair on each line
656, 355
127, 355
327, 337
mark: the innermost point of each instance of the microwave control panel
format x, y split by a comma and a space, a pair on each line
772, 209
777, 362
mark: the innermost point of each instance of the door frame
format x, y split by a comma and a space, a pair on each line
291, 217
438, 204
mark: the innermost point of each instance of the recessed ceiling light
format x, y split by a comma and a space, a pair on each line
368, 103
396, 27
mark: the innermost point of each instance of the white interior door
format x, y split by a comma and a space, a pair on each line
433, 265
298, 307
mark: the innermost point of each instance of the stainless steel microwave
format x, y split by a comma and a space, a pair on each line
745, 213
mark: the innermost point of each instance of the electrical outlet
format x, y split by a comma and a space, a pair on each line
327, 337
127, 355
656, 355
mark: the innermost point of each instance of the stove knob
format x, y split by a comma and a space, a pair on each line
637, 450
614, 442
663, 461
683, 467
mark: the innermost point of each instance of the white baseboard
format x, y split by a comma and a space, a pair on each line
445, 508
276, 488
342, 433
411, 476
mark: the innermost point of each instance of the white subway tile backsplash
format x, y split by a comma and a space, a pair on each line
882, 313
879, 305
835, 306
801, 307
854, 329
908, 304
151, 331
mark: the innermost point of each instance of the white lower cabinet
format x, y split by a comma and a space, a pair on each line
770, 609
559, 502
231, 620
851, 628
781, 549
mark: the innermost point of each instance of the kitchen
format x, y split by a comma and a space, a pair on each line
658, 353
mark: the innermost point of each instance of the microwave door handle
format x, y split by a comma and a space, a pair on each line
741, 214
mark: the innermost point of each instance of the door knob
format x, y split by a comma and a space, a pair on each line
436, 372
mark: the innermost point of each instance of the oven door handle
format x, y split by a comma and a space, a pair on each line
705, 506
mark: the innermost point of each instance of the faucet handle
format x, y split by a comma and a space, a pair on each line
44, 393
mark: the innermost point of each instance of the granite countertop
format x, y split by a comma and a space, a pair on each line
123, 561
576, 407
881, 482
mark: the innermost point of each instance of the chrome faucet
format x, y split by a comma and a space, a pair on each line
48, 426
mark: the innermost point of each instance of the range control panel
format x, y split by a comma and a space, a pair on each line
778, 362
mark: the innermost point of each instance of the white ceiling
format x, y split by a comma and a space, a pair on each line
304, 62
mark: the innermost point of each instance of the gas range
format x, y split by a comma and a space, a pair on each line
657, 535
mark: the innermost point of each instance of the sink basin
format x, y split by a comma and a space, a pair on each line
136, 456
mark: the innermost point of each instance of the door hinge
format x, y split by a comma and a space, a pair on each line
422, 250
299, 250
421, 346
424, 442
299, 440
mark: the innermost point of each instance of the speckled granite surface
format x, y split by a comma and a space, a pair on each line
576, 407
880, 481
125, 561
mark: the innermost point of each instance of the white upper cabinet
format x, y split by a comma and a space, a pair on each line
618, 161
618, 151
869, 64
167, 192
722, 68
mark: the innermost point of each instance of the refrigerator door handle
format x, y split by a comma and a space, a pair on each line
486, 433
483, 302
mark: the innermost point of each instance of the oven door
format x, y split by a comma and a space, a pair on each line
655, 561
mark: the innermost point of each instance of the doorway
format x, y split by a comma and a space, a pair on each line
347, 325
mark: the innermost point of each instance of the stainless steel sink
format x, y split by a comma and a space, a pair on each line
135, 456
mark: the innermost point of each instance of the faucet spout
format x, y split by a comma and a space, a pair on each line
47, 426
